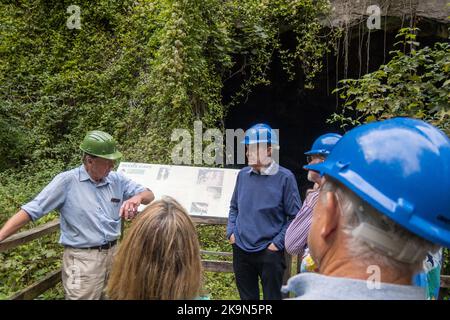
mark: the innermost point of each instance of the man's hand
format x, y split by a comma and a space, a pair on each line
272, 247
232, 239
128, 210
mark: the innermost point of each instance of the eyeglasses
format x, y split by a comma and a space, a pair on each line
310, 159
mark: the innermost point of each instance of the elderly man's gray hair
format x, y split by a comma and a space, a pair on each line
373, 236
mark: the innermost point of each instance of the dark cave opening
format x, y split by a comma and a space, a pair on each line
301, 114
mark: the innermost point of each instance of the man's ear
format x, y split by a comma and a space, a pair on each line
330, 215
90, 160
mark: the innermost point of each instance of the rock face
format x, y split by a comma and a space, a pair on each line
352, 12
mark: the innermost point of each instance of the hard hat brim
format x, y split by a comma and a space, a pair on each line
256, 142
317, 151
112, 156
318, 167
403, 215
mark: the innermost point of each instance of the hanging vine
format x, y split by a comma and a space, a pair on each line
414, 83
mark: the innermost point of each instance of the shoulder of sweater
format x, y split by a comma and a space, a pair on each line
244, 170
285, 171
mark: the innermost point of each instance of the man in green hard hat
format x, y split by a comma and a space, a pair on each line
91, 200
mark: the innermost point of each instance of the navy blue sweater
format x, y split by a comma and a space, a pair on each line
261, 208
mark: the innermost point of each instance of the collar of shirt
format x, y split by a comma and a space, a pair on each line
266, 171
84, 175
314, 286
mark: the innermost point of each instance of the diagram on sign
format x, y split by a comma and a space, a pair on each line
202, 191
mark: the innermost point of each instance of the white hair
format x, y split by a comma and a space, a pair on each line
373, 237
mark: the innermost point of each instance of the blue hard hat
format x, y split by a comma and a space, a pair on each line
324, 144
260, 133
401, 167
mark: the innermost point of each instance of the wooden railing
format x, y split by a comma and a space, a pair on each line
29, 235
53, 278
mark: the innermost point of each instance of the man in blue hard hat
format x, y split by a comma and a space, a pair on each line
297, 233
379, 212
264, 201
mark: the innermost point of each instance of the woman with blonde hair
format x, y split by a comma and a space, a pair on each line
159, 257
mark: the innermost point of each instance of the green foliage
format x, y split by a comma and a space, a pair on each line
218, 285
28, 263
445, 270
13, 140
414, 84
136, 69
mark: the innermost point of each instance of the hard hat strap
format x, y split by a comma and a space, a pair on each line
379, 239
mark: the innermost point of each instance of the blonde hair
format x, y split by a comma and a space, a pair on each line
159, 257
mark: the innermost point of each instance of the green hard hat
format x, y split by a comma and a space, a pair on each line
100, 144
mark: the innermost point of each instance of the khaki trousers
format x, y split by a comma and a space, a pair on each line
85, 272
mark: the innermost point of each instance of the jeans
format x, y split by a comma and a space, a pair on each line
250, 266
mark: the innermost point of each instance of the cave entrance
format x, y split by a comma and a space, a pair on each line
301, 114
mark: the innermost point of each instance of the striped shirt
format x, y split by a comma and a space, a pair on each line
297, 233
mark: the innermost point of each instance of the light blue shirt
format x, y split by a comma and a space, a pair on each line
89, 211
314, 286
